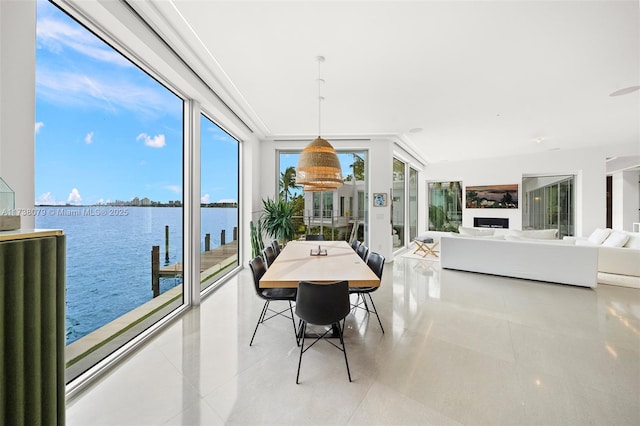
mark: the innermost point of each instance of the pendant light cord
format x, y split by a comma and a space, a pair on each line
320, 98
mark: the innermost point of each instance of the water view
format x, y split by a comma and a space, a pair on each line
109, 256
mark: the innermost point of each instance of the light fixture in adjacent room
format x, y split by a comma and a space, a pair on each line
318, 166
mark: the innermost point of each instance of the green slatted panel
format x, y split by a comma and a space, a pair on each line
33, 328
32, 292
3, 321
14, 329
60, 321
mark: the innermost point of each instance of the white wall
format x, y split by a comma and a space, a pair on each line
17, 100
626, 199
589, 165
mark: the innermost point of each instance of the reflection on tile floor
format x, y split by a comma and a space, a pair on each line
459, 348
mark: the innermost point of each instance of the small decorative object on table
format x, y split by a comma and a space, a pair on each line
319, 252
8, 219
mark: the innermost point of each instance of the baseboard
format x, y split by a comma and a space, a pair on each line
618, 280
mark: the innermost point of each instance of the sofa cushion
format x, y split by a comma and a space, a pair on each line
616, 239
634, 240
474, 232
584, 242
539, 240
479, 237
535, 234
599, 235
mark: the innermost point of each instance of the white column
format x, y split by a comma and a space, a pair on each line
626, 199
191, 244
17, 100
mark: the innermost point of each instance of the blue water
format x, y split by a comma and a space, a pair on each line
109, 256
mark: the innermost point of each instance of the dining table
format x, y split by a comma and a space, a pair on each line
318, 261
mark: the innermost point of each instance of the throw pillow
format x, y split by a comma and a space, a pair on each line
616, 239
634, 240
599, 235
474, 232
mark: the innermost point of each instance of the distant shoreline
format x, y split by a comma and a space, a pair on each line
223, 205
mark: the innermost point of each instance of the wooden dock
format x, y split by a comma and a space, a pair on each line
208, 259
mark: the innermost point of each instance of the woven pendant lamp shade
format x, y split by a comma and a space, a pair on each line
313, 188
319, 167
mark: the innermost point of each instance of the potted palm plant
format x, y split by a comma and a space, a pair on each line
276, 219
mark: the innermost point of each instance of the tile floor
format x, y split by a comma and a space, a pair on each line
459, 348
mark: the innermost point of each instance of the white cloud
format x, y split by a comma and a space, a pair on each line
39, 125
174, 188
46, 198
101, 91
154, 142
89, 138
205, 199
74, 196
57, 35
106, 85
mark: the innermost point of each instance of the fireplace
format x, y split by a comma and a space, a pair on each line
491, 222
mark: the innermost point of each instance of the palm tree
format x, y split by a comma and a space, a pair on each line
287, 182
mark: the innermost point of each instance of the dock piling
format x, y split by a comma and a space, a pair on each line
166, 243
155, 270
222, 237
207, 242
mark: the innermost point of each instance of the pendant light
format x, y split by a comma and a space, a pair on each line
318, 166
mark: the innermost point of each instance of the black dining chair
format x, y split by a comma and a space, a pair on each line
277, 248
270, 295
363, 251
322, 304
355, 244
314, 237
375, 261
269, 255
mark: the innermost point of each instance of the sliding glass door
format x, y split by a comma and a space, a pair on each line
398, 204
549, 203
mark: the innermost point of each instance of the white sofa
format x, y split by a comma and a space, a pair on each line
539, 260
618, 251
618, 255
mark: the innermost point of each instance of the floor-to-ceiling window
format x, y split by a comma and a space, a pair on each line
338, 214
549, 203
413, 203
219, 159
445, 206
398, 203
109, 172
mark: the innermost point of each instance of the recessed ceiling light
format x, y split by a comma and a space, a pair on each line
538, 140
625, 91
415, 130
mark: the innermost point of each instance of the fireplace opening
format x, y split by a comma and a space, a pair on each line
491, 222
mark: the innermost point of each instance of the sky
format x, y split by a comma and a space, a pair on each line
105, 130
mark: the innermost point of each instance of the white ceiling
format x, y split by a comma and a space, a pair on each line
481, 78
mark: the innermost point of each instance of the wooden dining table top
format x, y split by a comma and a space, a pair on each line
295, 264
